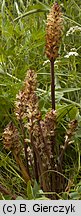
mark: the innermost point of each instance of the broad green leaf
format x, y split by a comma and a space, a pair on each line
30, 191
43, 198
36, 189
74, 195
79, 189
67, 90
29, 13
73, 113
19, 198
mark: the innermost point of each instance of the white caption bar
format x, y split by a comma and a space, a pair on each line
40, 208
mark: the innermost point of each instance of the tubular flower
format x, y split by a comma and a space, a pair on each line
53, 32
11, 138
49, 129
27, 101
70, 131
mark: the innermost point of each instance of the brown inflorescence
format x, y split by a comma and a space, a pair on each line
27, 110
72, 126
53, 32
12, 143
70, 131
49, 128
11, 138
26, 103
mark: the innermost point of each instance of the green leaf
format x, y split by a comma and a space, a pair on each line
43, 198
29, 13
63, 110
30, 191
67, 90
71, 102
36, 189
65, 196
79, 189
73, 113
58, 95
19, 198
74, 195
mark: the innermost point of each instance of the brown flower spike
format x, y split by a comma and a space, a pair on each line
26, 103
11, 142
11, 138
53, 32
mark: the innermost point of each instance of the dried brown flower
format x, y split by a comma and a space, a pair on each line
70, 131
68, 137
49, 127
27, 101
53, 31
50, 122
42, 133
11, 142
11, 138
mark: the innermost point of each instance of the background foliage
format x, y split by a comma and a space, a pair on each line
22, 47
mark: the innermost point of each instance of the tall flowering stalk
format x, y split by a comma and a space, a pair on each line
26, 110
53, 38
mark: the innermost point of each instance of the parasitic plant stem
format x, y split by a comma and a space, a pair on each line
52, 84
25, 146
22, 167
53, 138
34, 153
